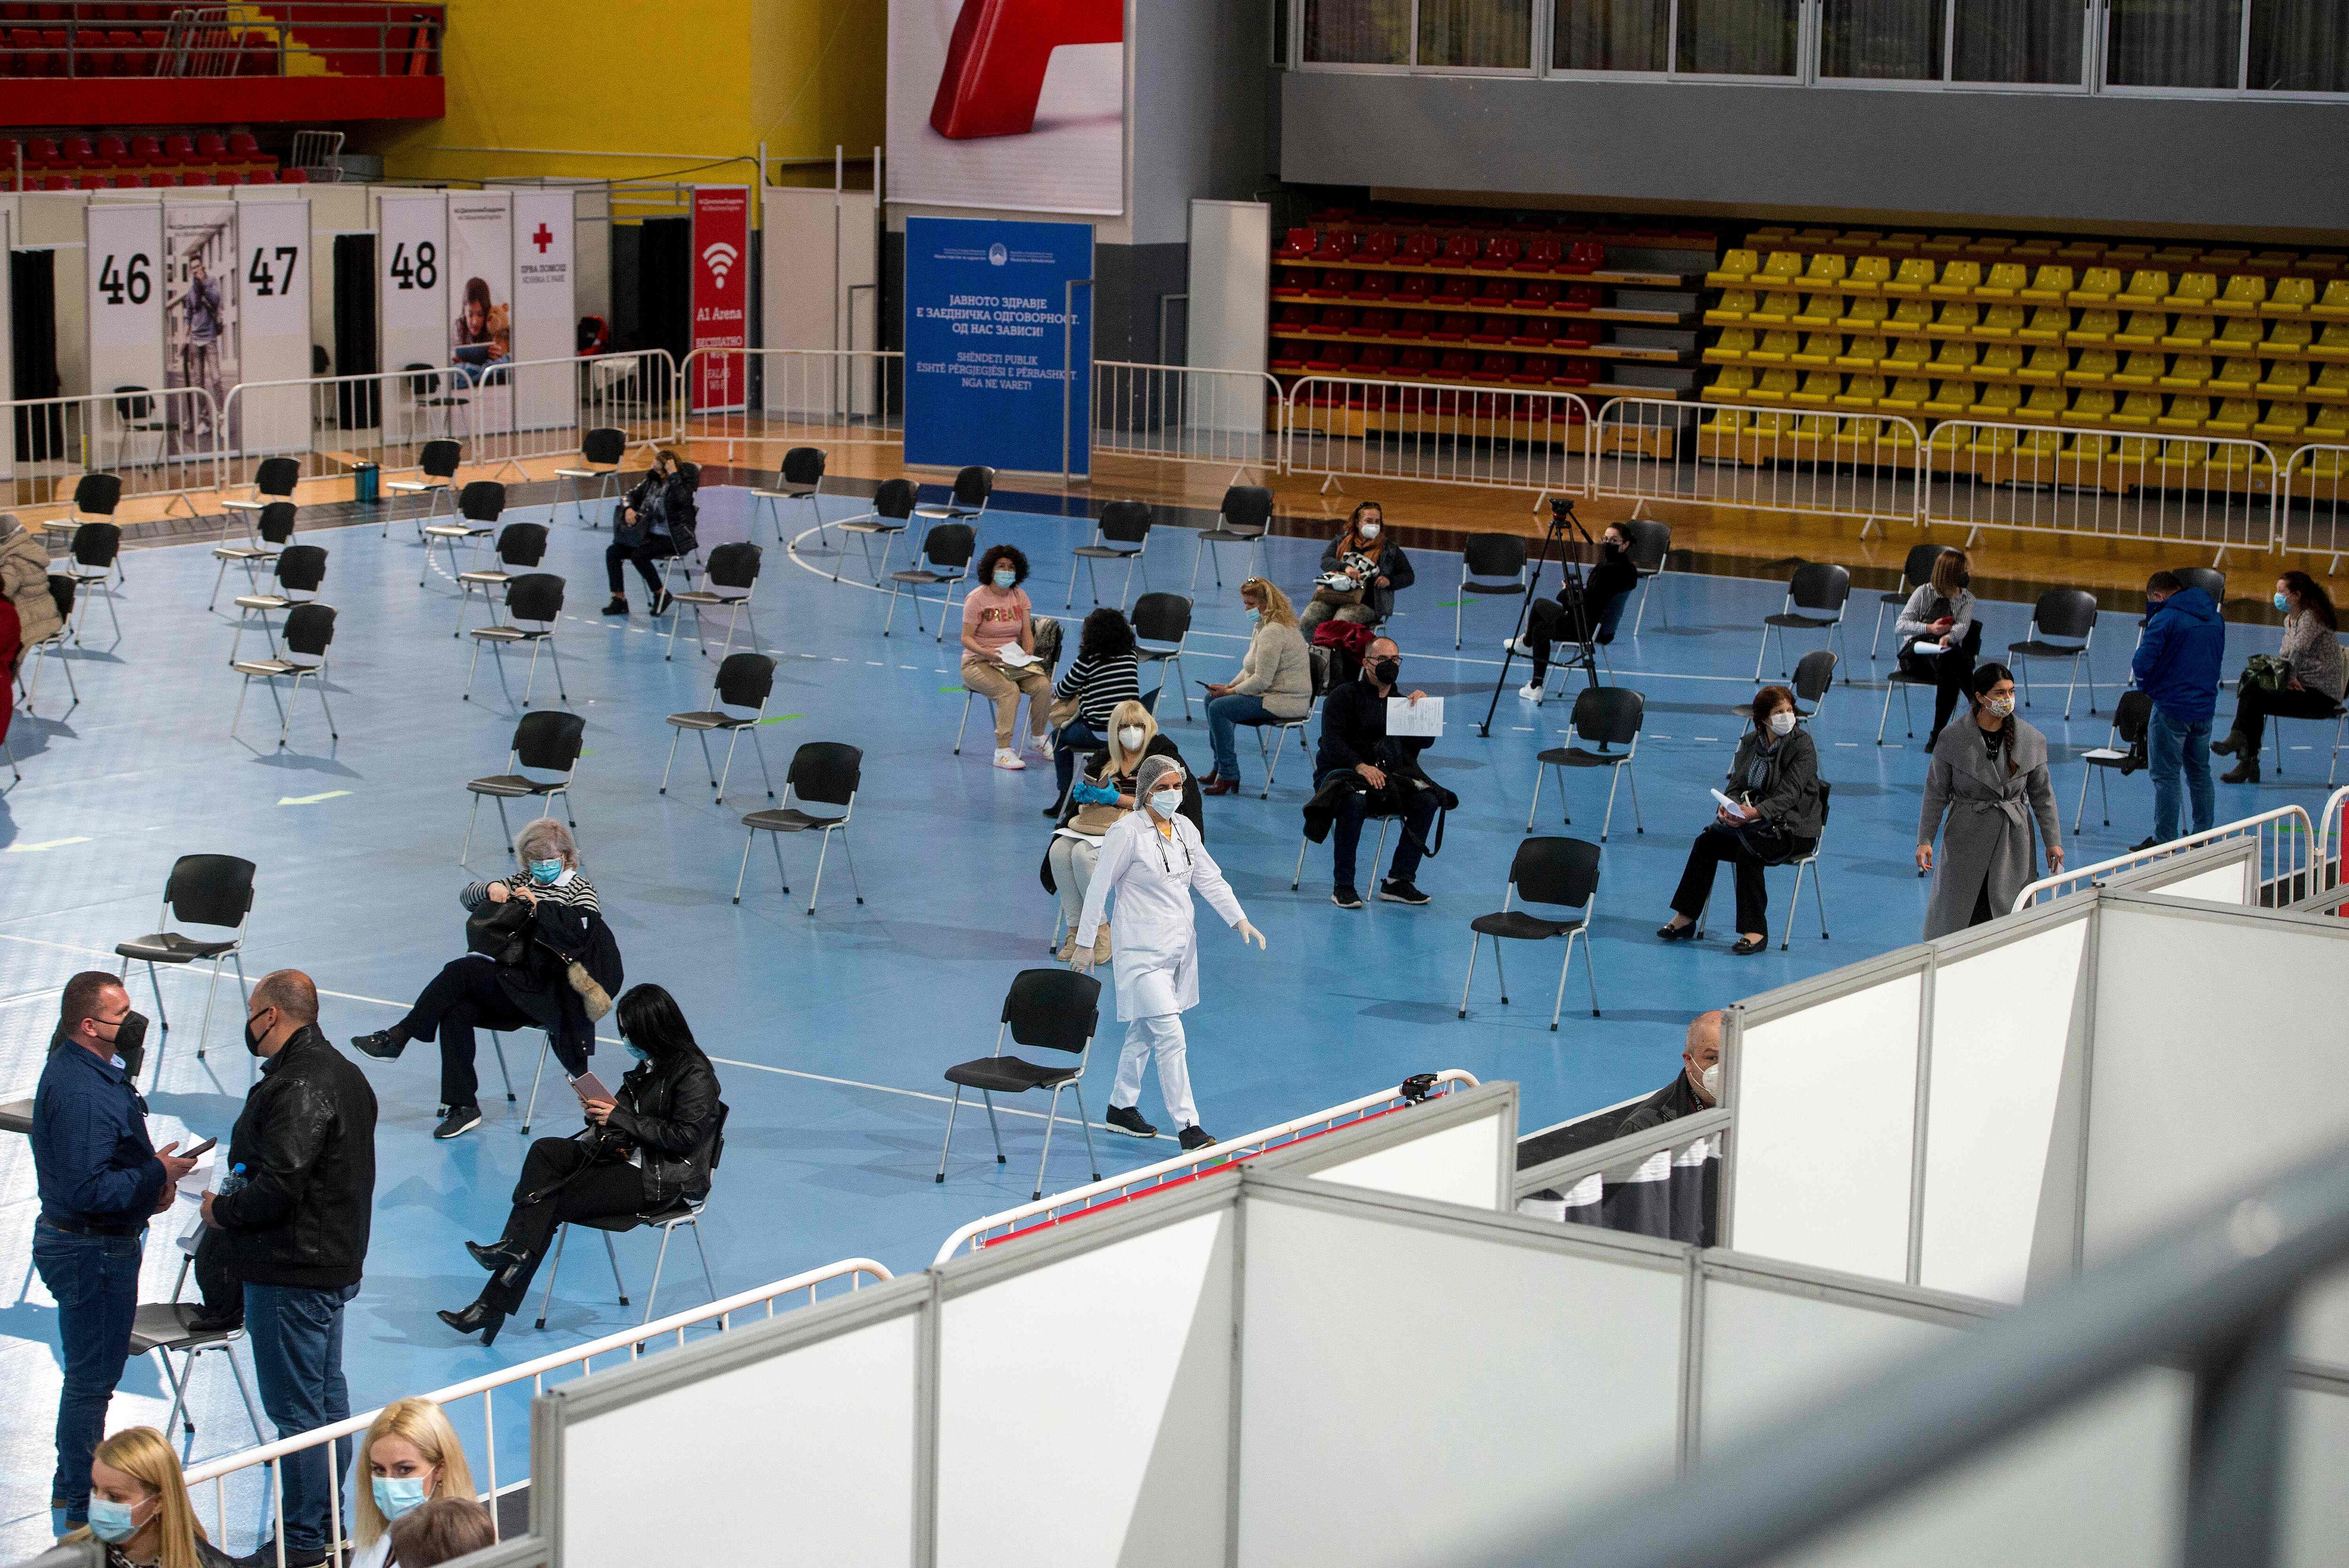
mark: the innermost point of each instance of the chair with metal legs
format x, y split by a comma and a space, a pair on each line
309, 632
600, 452
1318, 660
1046, 1009
893, 507
1164, 620
801, 478
1244, 518
2124, 751
1914, 573
2068, 614
1121, 533
29, 663
437, 393
479, 506
2339, 718
1650, 544
1559, 871
728, 584
683, 1214
436, 475
267, 532
96, 498
97, 548
161, 1329
1808, 862
823, 773
546, 742
1604, 717
273, 480
136, 414
974, 487
537, 597
521, 547
202, 890
947, 549
744, 681
300, 570
1815, 597
1490, 564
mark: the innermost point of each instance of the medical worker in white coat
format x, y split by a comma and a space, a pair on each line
1151, 860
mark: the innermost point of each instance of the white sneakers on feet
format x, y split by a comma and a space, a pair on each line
1005, 757
1530, 691
1041, 745
1517, 646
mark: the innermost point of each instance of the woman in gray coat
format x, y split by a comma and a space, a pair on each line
1988, 782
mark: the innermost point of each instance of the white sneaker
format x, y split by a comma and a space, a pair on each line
1530, 693
1004, 757
1517, 646
1041, 745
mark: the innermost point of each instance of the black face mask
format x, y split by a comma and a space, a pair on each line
1612, 550
1386, 671
252, 1038
129, 1036
1965, 579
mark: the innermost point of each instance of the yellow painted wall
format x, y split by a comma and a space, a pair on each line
666, 85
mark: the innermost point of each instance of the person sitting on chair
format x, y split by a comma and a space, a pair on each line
1361, 571
1104, 794
1354, 740
1698, 1087
2313, 674
650, 1145
1941, 613
1275, 682
656, 522
1104, 675
517, 976
1605, 591
996, 621
1776, 817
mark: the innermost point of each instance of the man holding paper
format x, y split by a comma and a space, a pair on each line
1370, 731
998, 653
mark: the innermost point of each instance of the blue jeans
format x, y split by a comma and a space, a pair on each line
297, 1336
1346, 834
95, 1282
1226, 714
2172, 744
1075, 735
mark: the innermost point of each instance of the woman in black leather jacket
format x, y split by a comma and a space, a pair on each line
650, 1146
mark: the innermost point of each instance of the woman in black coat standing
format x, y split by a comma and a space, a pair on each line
653, 1143
655, 522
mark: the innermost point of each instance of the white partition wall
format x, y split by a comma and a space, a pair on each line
2227, 871
1459, 1148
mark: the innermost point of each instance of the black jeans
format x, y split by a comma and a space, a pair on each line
1354, 809
2253, 703
655, 547
558, 1183
464, 997
1947, 670
1549, 621
1718, 843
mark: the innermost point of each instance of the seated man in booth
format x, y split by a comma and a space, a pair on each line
1698, 1087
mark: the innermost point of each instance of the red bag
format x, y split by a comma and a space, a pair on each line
1346, 641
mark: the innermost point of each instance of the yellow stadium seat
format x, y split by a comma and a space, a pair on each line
2331, 424
1988, 441
2332, 384
2045, 406
2179, 460
2048, 324
1863, 353
1868, 275
1735, 305
1827, 269
1819, 310
1908, 395
2094, 369
2188, 372
1733, 346
1957, 280
2006, 281
2335, 306
1951, 398
1945, 245
2128, 256
2176, 256
1782, 267
1818, 349
2285, 422
1903, 240
1860, 392
1957, 319
2047, 365
2053, 285
1775, 387
1819, 389
2236, 375
2236, 416
1732, 385
1776, 348
2291, 296
1998, 401
2098, 286
2225, 258
2195, 291
2039, 447
2142, 329
2285, 378
2245, 291
1912, 315
1723, 422
2002, 361
2333, 344
2237, 335
2289, 335
1907, 353
2094, 326
1772, 425
2140, 369
1956, 357
2237, 462
1772, 233
2190, 332
1778, 307
2187, 412
2090, 406
2138, 411
1915, 274
1735, 268
2000, 321
2146, 287
1865, 314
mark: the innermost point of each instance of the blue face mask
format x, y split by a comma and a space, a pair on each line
2284, 603
545, 872
1165, 802
1255, 616
635, 1050
396, 1494
1007, 581
111, 1521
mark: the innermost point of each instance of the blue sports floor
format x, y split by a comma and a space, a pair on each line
832, 1031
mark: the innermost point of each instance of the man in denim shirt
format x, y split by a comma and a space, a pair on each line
100, 1179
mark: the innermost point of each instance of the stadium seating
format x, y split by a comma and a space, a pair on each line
118, 159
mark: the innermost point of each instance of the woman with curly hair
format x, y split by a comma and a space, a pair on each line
995, 622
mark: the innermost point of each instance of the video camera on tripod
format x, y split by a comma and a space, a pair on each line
1577, 627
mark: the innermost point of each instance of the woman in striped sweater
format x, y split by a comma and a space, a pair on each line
1105, 674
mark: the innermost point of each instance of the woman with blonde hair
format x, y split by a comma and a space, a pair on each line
1101, 796
1940, 637
138, 1506
412, 1454
1275, 682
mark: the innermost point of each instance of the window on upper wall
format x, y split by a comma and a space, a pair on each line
1882, 40
1736, 37
2027, 41
1611, 36
2174, 43
2299, 46
1492, 35
1358, 32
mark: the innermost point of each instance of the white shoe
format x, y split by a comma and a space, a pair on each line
1005, 758
1515, 645
1041, 745
1530, 693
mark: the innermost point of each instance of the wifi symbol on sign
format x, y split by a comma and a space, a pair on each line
721, 258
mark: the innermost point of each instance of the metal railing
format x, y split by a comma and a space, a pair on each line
159, 443
2330, 868
2312, 503
2288, 856
269, 1459
984, 1232
351, 37
2219, 493
2216, 1296
1228, 418
797, 397
1454, 434
1861, 466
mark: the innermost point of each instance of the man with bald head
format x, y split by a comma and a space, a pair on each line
1354, 742
1698, 1087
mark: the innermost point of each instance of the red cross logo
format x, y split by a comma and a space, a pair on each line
544, 238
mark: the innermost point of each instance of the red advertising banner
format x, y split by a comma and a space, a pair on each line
721, 284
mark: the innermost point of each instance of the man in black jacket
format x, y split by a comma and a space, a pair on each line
1698, 1087
1354, 740
291, 1222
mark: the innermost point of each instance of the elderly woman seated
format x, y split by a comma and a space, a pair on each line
518, 974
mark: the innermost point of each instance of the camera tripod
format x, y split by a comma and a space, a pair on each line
1578, 628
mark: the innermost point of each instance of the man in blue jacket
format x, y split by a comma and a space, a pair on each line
2177, 665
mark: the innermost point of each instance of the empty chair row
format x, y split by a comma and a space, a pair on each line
155, 181
2078, 252
2088, 406
1432, 326
2145, 288
1405, 290
2320, 380
1495, 252
2047, 324
1377, 362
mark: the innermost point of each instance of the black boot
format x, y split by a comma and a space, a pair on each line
2231, 747
479, 1317
2245, 771
497, 1255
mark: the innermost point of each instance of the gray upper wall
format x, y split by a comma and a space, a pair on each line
2005, 159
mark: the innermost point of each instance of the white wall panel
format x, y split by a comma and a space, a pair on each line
1826, 1105
2001, 1021
1231, 289
1459, 1164
273, 259
2316, 1481
1770, 1353
545, 306
124, 290
1412, 1396
817, 265
412, 287
1084, 1407
814, 1449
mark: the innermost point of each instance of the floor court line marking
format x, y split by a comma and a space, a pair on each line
46, 844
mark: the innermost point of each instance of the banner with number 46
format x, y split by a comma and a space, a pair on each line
124, 298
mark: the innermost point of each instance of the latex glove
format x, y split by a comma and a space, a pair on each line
1248, 933
1080, 958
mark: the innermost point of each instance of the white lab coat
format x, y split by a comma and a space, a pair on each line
1153, 936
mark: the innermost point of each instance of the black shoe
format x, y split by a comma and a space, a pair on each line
384, 1045
1127, 1120
498, 1254
1344, 896
616, 607
1196, 1138
2247, 771
479, 1317
213, 1319
1053, 812
2229, 746
660, 607
2142, 845
1395, 891
265, 1556
1678, 933
461, 1119
1747, 944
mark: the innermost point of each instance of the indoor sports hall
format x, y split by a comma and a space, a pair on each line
770, 769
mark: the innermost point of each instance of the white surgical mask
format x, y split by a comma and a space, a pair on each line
1367, 530
1782, 722
1130, 738
1711, 1077
1166, 802
1999, 706
1255, 615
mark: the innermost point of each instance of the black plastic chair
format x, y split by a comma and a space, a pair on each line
273, 480
96, 498
744, 681
892, 505
1814, 678
731, 577
683, 1214
435, 472
1163, 619
309, 632
266, 533
536, 596
202, 890
947, 548
974, 486
97, 551
2070, 614
1121, 533
1317, 660
2209, 579
2124, 751
521, 546
1045, 1010
1604, 717
1563, 872
1810, 863
1815, 596
600, 453
823, 773
437, 393
135, 414
1490, 564
547, 741
1244, 518
801, 478
1916, 571
28, 665
1650, 544
479, 506
301, 568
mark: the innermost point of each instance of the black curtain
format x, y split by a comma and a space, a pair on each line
665, 289
33, 343
359, 402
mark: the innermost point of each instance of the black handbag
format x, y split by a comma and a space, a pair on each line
501, 930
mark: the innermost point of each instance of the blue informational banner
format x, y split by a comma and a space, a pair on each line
993, 335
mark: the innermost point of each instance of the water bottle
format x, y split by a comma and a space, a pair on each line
233, 1181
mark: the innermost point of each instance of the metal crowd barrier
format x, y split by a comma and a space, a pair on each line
2311, 501
1765, 459
268, 1459
797, 397
2289, 855
1455, 434
159, 443
1228, 418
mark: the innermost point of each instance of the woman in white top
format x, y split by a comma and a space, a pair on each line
1152, 859
1940, 636
412, 1454
1275, 682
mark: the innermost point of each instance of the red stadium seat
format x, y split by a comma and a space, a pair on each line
1584, 256
1333, 284
1288, 357
1455, 365
260, 177
1534, 370
1414, 364
1501, 252
1295, 318
1380, 248
211, 144
1412, 286
1337, 318
1454, 329
1493, 329
1375, 323
76, 149
147, 148
1531, 331
1292, 282
1579, 373
1421, 251
1494, 368
1497, 291
1371, 285
178, 148
1337, 245
293, 177
241, 145
1579, 334
1299, 244
1542, 254
93, 183
1459, 251
111, 149
1330, 358
1416, 324
1580, 296
1456, 291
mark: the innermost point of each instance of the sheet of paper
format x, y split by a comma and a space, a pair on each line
1927, 647
1424, 717
1726, 803
1019, 658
